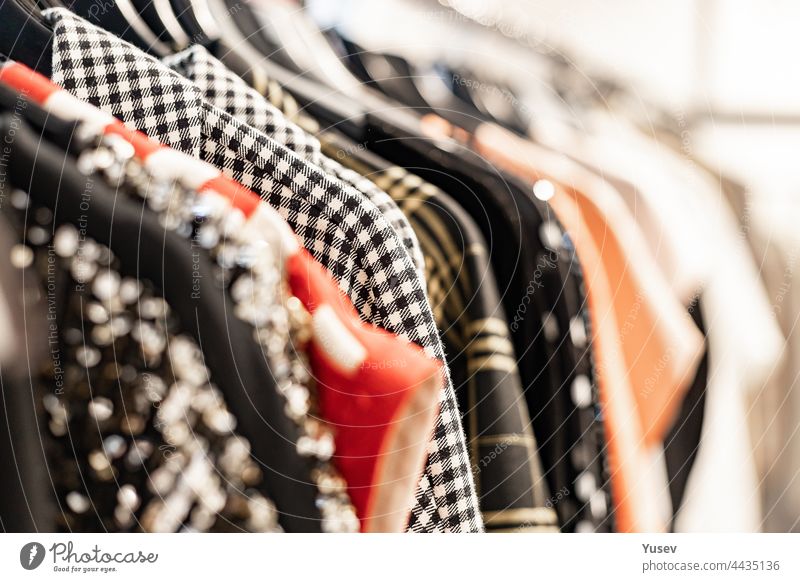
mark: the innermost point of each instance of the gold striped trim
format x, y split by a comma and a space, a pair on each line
331, 150
392, 180
532, 515
494, 362
429, 220
409, 193
410, 205
476, 250
494, 344
412, 181
488, 325
429, 189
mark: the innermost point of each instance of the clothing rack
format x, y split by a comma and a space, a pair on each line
279, 280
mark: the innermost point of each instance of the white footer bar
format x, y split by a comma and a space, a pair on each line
412, 558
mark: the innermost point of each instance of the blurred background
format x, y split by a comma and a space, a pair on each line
715, 80
724, 73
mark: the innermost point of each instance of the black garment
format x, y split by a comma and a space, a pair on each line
51, 127
236, 364
137, 436
536, 271
683, 441
511, 488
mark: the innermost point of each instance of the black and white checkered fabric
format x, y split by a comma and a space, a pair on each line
342, 229
225, 90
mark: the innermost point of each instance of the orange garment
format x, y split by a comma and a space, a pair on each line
631, 487
659, 347
646, 346
661, 344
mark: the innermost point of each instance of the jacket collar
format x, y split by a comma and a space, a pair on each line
226, 91
110, 73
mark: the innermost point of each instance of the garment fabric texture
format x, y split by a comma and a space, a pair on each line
24, 484
545, 298
682, 443
661, 345
534, 262
587, 446
345, 232
382, 387
225, 90
481, 355
745, 352
635, 489
115, 222
772, 415
569, 422
512, 490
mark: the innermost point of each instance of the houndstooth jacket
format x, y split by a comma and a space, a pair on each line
222, 88
341, 227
